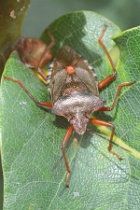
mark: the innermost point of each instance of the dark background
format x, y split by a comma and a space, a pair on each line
124, 13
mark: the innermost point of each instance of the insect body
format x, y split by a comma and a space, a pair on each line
74, 93
74, 89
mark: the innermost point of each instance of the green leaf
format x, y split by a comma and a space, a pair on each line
31, 138
129, 70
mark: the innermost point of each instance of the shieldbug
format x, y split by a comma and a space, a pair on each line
75, 95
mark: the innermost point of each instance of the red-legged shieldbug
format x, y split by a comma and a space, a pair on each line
74, 93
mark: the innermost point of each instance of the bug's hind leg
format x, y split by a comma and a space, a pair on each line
40, 103
111, 77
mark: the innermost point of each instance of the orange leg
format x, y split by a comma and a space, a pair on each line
46, 56
40, 103
111, 77
103, 123
116, 96
66, 137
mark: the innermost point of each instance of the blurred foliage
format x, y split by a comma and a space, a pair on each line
124, 13
11, 17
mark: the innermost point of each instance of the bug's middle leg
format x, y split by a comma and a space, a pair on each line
120, 86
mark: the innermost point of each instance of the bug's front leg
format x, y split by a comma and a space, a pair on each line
40, 103
66, 137
103, 123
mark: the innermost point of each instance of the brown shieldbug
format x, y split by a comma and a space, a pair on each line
75, 95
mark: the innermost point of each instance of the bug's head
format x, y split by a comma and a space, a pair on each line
79, 122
